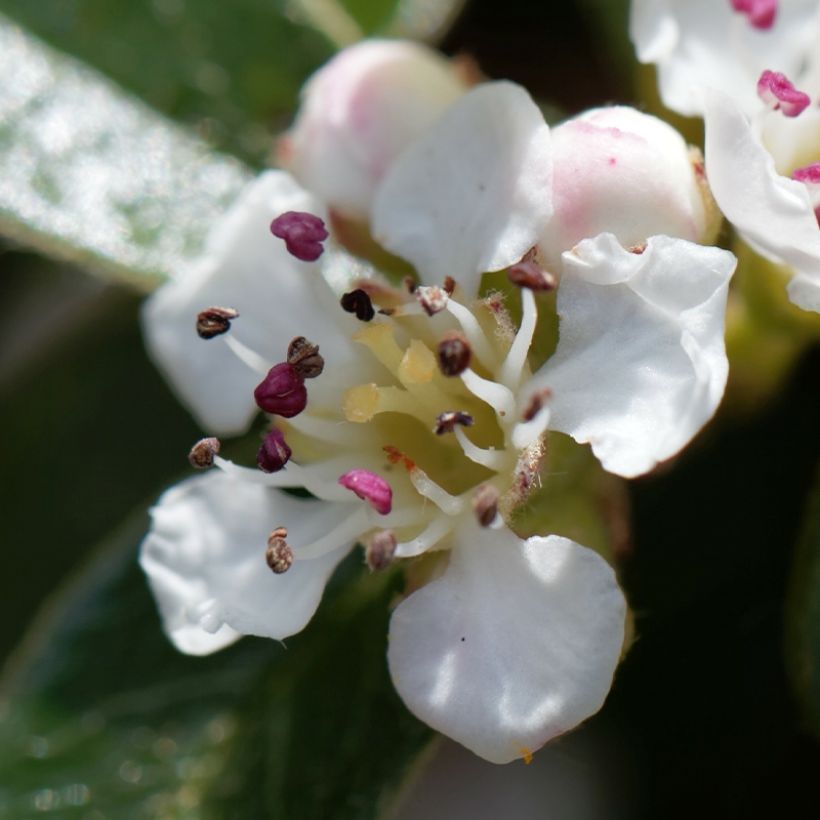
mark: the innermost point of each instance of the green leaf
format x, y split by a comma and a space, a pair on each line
92, 176
102, 714
803, 636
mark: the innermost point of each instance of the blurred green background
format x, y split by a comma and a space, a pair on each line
715, 712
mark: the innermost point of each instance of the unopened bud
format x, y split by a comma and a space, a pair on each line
214, 321
380, 551
202, 453
485, 504
278, 554
304, 357
446, 422
282, 392
274, 453
454, 354
358, 303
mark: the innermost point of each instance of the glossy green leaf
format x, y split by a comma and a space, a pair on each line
101, 714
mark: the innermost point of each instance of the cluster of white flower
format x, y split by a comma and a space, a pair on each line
416, 416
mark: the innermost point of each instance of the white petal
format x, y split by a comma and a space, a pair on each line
704, 43
472, 195
246, 268
640, 365
514, 644
773, 213
205, 561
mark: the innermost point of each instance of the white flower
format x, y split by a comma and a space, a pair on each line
424, 431
756, 81
359, 112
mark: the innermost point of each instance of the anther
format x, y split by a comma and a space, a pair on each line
380, 551
304, 358
303, 234
432, 299
214, 321
202, 453
449, 285
809, 174
282, 392
358, 302
274, 453
760, 13
446, 422
278, 554
529, 274
536, 402
778, 92
454, 353
369, 487
485, 504
410, 284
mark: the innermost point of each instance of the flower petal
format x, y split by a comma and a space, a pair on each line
773, 213
640, 365
205, 561
246, 268
703, 43
474, 193
514, 644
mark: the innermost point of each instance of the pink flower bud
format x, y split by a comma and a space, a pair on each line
369, 487
359, 112
620, 171
282, 392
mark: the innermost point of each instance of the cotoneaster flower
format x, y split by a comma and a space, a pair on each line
752, 70
416, 418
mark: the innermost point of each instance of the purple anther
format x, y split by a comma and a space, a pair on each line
369, 487
810, 174
274, 453
778, 92
760, 13
303, 234
282, 392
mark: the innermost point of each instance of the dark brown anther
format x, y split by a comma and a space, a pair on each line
278, 554
446, 422
304, 358
449, 285
433, 299
214, 321
358, 303
410, 284
380, 551
638, 249
529, 274
202, 453
454, 354
536, 402
485, 504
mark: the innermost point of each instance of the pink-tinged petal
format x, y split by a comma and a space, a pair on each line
205, 558
474, 194
779, 94
514, 644
640, 365
773, 213
760, 13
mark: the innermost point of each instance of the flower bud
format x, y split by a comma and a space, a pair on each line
282, 392
620, 171
359, 112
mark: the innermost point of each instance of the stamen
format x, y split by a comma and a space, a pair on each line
447, 503
778, 92
492, 459
454, 354
473, 332
529, 274
304, 357
282, 392
809, 174
760, 13
427, 538
485, 504
446, 422
370, 487
202, 453
214, 321
362, 402
513, 368
278, 554
347, 531
303, 234
433, 299
380, 551
537, 400
358, 303
274, 453
247, 356
499, 397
